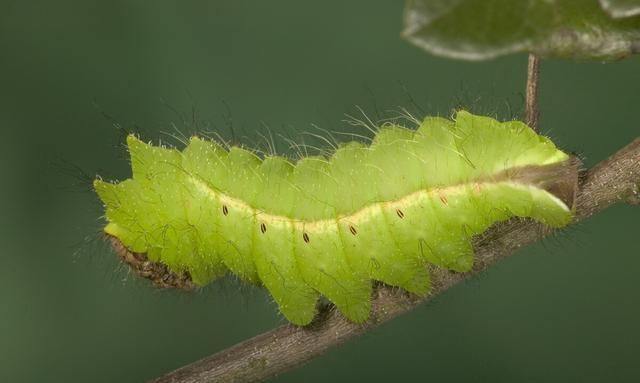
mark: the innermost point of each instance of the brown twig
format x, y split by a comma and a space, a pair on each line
532, 114
614, 180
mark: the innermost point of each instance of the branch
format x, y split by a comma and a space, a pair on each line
532, 114
616, 179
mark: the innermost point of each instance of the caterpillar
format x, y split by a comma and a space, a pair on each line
329, 226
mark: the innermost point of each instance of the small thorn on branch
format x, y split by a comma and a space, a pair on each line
532, 114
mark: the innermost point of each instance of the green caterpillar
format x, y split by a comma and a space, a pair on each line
329, 226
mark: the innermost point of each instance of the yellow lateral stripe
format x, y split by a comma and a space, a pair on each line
363, 214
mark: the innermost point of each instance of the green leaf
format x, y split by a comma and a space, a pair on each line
483, 29
621, 8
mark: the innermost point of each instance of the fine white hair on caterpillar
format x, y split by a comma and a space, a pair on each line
330, 225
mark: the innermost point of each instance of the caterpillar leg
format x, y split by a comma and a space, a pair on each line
278, 270
322, 263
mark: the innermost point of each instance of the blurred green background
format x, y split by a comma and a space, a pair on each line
72, 71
